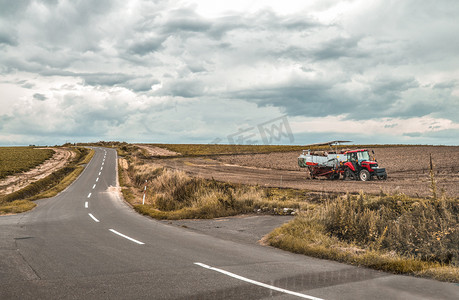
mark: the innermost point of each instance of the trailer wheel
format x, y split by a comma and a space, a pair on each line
311, 173
364, 175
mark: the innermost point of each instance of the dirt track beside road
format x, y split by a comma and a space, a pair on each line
407, 168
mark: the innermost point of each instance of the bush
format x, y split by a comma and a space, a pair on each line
426, 229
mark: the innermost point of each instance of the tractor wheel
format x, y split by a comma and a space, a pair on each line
382, 177
364, 175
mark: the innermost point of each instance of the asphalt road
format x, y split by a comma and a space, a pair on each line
86, 243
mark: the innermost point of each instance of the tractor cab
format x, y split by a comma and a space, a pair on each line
358, 156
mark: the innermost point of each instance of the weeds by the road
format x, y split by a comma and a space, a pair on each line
17, 206
175, 195
391, 233
49, 186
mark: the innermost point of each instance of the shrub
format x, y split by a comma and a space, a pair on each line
427, 229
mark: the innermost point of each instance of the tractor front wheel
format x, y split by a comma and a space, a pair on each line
364, 175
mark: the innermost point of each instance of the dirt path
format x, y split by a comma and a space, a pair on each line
18, 181
156, 151
407, 168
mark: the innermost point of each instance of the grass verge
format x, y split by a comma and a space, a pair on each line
15, 207
47, 187
176, 195
390, 233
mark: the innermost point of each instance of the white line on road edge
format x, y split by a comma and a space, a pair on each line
86, 204
94, 218
89, 195
257, 282
99, 173
126, 237
101, 168
97, 179
93, 186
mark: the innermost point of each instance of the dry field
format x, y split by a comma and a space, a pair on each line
407, 167
156, 151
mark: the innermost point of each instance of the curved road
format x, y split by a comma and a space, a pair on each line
86, 243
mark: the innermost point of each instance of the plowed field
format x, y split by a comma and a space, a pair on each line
407, 168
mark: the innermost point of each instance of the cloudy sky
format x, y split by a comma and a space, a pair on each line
221, 71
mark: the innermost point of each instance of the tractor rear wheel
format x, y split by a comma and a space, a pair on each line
364, 175
349, 174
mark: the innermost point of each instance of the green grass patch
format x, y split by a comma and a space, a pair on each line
20, 159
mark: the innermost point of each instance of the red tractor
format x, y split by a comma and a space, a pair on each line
359, 166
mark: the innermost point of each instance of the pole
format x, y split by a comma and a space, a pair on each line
144, 192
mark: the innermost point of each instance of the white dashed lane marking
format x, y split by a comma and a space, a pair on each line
94, 218
274, 288
126, 237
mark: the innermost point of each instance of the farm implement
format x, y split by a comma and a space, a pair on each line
345, 164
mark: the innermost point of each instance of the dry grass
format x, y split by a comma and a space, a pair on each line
390, 233
175, 195
17, 206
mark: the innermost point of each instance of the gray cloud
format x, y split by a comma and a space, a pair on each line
7, 39
146, 46
39, 97
184, 20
